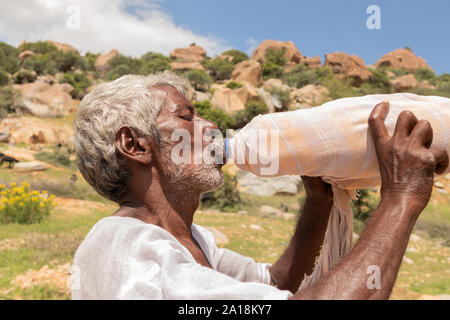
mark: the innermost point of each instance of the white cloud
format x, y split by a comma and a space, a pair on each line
133, 27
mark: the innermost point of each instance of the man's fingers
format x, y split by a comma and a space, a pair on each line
405, 124
422, 134
441, 156
377, 128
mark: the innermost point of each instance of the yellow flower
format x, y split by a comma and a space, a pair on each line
3, 193
2, 186
40, 205
12, 184
25, 184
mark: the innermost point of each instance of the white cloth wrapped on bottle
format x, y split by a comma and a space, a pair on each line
331, 141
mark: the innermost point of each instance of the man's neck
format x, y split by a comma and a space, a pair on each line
162, 205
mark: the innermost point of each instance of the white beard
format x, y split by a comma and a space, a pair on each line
205, 177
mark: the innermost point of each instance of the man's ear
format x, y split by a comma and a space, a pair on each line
133, 147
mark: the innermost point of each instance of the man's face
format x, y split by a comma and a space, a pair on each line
180, 126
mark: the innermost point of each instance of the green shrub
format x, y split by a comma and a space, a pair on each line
252, 109
238, 56
89, 61
118, 71
276, 56
79, 81
8, 58
398, 72
153, 63
10, 101
67, 61
41, 64
234, 85
424, 74
378, 83
58, 156
39, 47
20, 205
4, 78
199, 79
219, 117
301, 76
364, 205
24, 76
219, 69
226, 198
272, 70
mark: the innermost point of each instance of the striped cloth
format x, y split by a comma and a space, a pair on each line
332, 141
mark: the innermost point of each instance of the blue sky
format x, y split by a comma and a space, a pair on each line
318, 27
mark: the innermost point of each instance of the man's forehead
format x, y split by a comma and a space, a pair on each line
173, 96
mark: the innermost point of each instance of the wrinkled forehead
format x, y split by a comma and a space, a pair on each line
172, 96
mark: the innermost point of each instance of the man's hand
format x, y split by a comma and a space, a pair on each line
407, 160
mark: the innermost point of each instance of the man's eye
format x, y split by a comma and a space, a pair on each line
187, 117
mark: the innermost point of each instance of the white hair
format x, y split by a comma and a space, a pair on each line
126, 101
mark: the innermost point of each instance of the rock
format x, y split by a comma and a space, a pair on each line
242, 213
219, 237
186, 66
415, 238
29, 91
51, 102
412, 249
408, 260
232, 100
255, 227
261, 186
348, 67
404, 83
248, 71
402, 59
200, 96
266, 97
5, 136
312, 63
65, 87
37, 138
193, 53
276, 84
292, 54
268, 211
289, 216
447, 176
63, 46
438, 185
30, 166
23, 128
25, 55
309, 95
226, 57
102, 62
443, 191
426, 85
48, 79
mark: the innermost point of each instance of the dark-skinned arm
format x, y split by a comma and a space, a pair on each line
407, 163
299, 257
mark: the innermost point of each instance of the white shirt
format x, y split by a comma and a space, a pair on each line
125, 258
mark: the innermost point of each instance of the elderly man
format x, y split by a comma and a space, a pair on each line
150, 249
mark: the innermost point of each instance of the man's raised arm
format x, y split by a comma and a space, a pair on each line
407, 163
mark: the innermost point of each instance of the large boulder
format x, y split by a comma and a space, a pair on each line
30, 166
402, 59
248, 71
36, 130
193, 53
292, 54
186, 66
308, 96
25, 55
404, 83
63, 46
348, 67
233, 100
102, 62
43, 100
313, 62
261, 186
